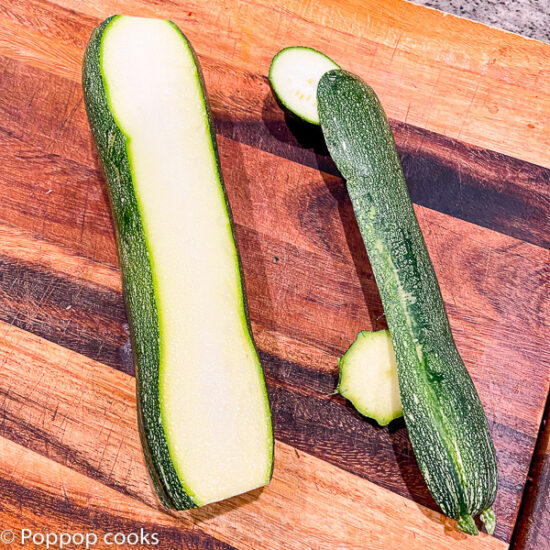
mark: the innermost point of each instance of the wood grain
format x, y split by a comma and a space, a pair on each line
304, 415
533, 528
84, 414
45, 496
482, 187
471, 75
320, 249
470, 109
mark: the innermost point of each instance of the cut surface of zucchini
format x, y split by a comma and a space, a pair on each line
294, 75
202, 399
368, 377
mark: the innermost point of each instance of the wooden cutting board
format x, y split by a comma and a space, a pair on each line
470, 108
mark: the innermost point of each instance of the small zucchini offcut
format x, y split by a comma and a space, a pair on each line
368, 377
202, 402
294, 75
444, 416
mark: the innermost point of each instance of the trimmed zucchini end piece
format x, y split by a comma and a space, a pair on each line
368, 377
489, 520
294, 75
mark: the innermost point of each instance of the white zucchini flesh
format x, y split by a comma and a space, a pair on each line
368, 377
213, 400
294, 75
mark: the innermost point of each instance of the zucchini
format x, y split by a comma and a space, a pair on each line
202, 402
294, 75
368, 377
444, 416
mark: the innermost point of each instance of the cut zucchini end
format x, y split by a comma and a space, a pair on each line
368, 377
467, 525
489, 520
294, 74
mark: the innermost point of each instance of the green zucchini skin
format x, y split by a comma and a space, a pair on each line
135, 262
137, 281
444, 416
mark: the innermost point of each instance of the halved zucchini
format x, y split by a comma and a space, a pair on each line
202, 400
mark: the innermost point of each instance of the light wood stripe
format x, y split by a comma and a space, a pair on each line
44, 496
90, 409
453, 76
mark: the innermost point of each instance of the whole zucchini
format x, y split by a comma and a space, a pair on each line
444, 416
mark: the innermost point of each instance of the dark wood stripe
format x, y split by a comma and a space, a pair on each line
476, 185
532, 531
85, 318
60, 514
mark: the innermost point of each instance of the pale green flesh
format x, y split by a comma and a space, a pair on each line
294, 75
214, 406
368, 377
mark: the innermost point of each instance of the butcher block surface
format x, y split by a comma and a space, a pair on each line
470, 110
